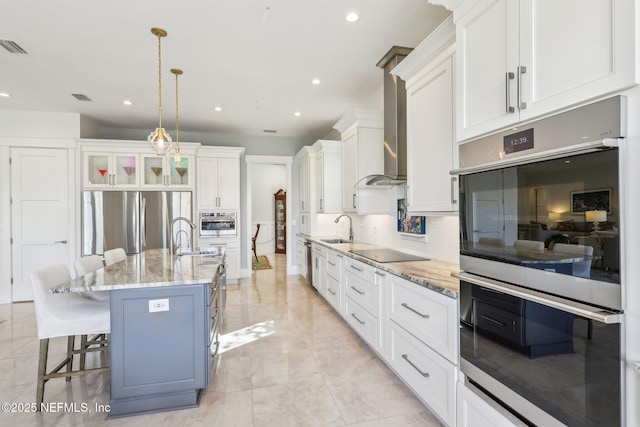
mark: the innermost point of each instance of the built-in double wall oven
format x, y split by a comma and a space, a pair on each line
540, 256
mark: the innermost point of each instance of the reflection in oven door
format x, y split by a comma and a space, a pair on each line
566, 366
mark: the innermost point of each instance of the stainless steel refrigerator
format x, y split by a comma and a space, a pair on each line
134, 220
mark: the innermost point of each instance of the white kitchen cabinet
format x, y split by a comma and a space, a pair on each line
517, 60
363, 285
328, 181
362, 134
108, 170
335, 291
473, 411
428, 315
432, 377
163, 172
218, 183
305, 183
431, 147
133, 165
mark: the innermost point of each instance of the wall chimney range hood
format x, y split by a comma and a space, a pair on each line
395, 121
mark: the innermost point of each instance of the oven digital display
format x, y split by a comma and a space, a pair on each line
519, 141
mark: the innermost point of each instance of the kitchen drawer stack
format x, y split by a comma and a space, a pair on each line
423, 343
362, 302
335, 292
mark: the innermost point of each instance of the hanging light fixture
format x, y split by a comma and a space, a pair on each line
176, 150
160, 140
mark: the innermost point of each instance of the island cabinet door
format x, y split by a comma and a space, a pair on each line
159, 347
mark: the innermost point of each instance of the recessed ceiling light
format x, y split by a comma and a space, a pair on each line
297, 114
315, 81
127, 102
352, 17
4, 94
218, 109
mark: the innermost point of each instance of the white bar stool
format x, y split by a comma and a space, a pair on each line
65, 315
86, 265
114, 255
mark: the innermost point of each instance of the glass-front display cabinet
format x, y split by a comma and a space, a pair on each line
167, 172
110, 170
280, 204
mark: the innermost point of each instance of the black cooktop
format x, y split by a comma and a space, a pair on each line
386, 255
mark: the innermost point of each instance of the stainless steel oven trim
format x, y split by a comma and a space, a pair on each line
595, 292
563, 304
573, 150
516, 402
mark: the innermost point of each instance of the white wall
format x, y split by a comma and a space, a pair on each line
265, 181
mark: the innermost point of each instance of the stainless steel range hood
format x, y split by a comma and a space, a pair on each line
395, 121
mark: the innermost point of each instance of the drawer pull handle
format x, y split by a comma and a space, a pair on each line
331, 290
424, 374
356, 268
494, 321
380, 273
357, 290
424, 316
331, 263
359, 321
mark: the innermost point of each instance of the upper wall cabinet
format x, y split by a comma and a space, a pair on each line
104, 169
517, 60
161, 172
328, 182
362, 154
431, 148
218, 178
116, 165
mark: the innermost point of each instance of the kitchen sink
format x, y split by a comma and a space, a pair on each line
334, 241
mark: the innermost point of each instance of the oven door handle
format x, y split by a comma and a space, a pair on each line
583, 310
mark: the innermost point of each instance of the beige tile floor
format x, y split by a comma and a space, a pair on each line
286, 359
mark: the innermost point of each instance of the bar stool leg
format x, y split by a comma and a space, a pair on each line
42, 368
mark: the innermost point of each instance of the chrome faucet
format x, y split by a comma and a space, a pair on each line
174, 247
350, 225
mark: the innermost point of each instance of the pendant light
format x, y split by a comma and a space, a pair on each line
159, 139
176, 150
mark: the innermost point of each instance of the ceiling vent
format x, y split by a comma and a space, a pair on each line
80, 97
12, 46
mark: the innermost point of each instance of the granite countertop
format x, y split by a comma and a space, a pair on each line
152, 268
432, 274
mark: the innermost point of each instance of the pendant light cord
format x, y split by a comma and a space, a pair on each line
160, 80
177, 122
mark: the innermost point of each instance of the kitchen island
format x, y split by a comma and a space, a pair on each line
165, 311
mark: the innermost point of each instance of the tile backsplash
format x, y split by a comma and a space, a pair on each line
441, 240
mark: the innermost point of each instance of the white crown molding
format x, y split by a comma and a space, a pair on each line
363, 118
441, 39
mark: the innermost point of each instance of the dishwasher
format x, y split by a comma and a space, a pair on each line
307, 243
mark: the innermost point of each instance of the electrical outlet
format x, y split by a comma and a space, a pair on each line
156, 305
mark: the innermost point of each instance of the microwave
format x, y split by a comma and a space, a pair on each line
218, 224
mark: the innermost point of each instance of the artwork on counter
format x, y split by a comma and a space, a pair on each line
409, 224
591, 200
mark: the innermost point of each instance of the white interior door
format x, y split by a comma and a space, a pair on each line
39, 213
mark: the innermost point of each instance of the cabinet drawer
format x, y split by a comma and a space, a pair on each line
334, 264
428, 315
362, 322
333, 293
431, 377
361, 285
